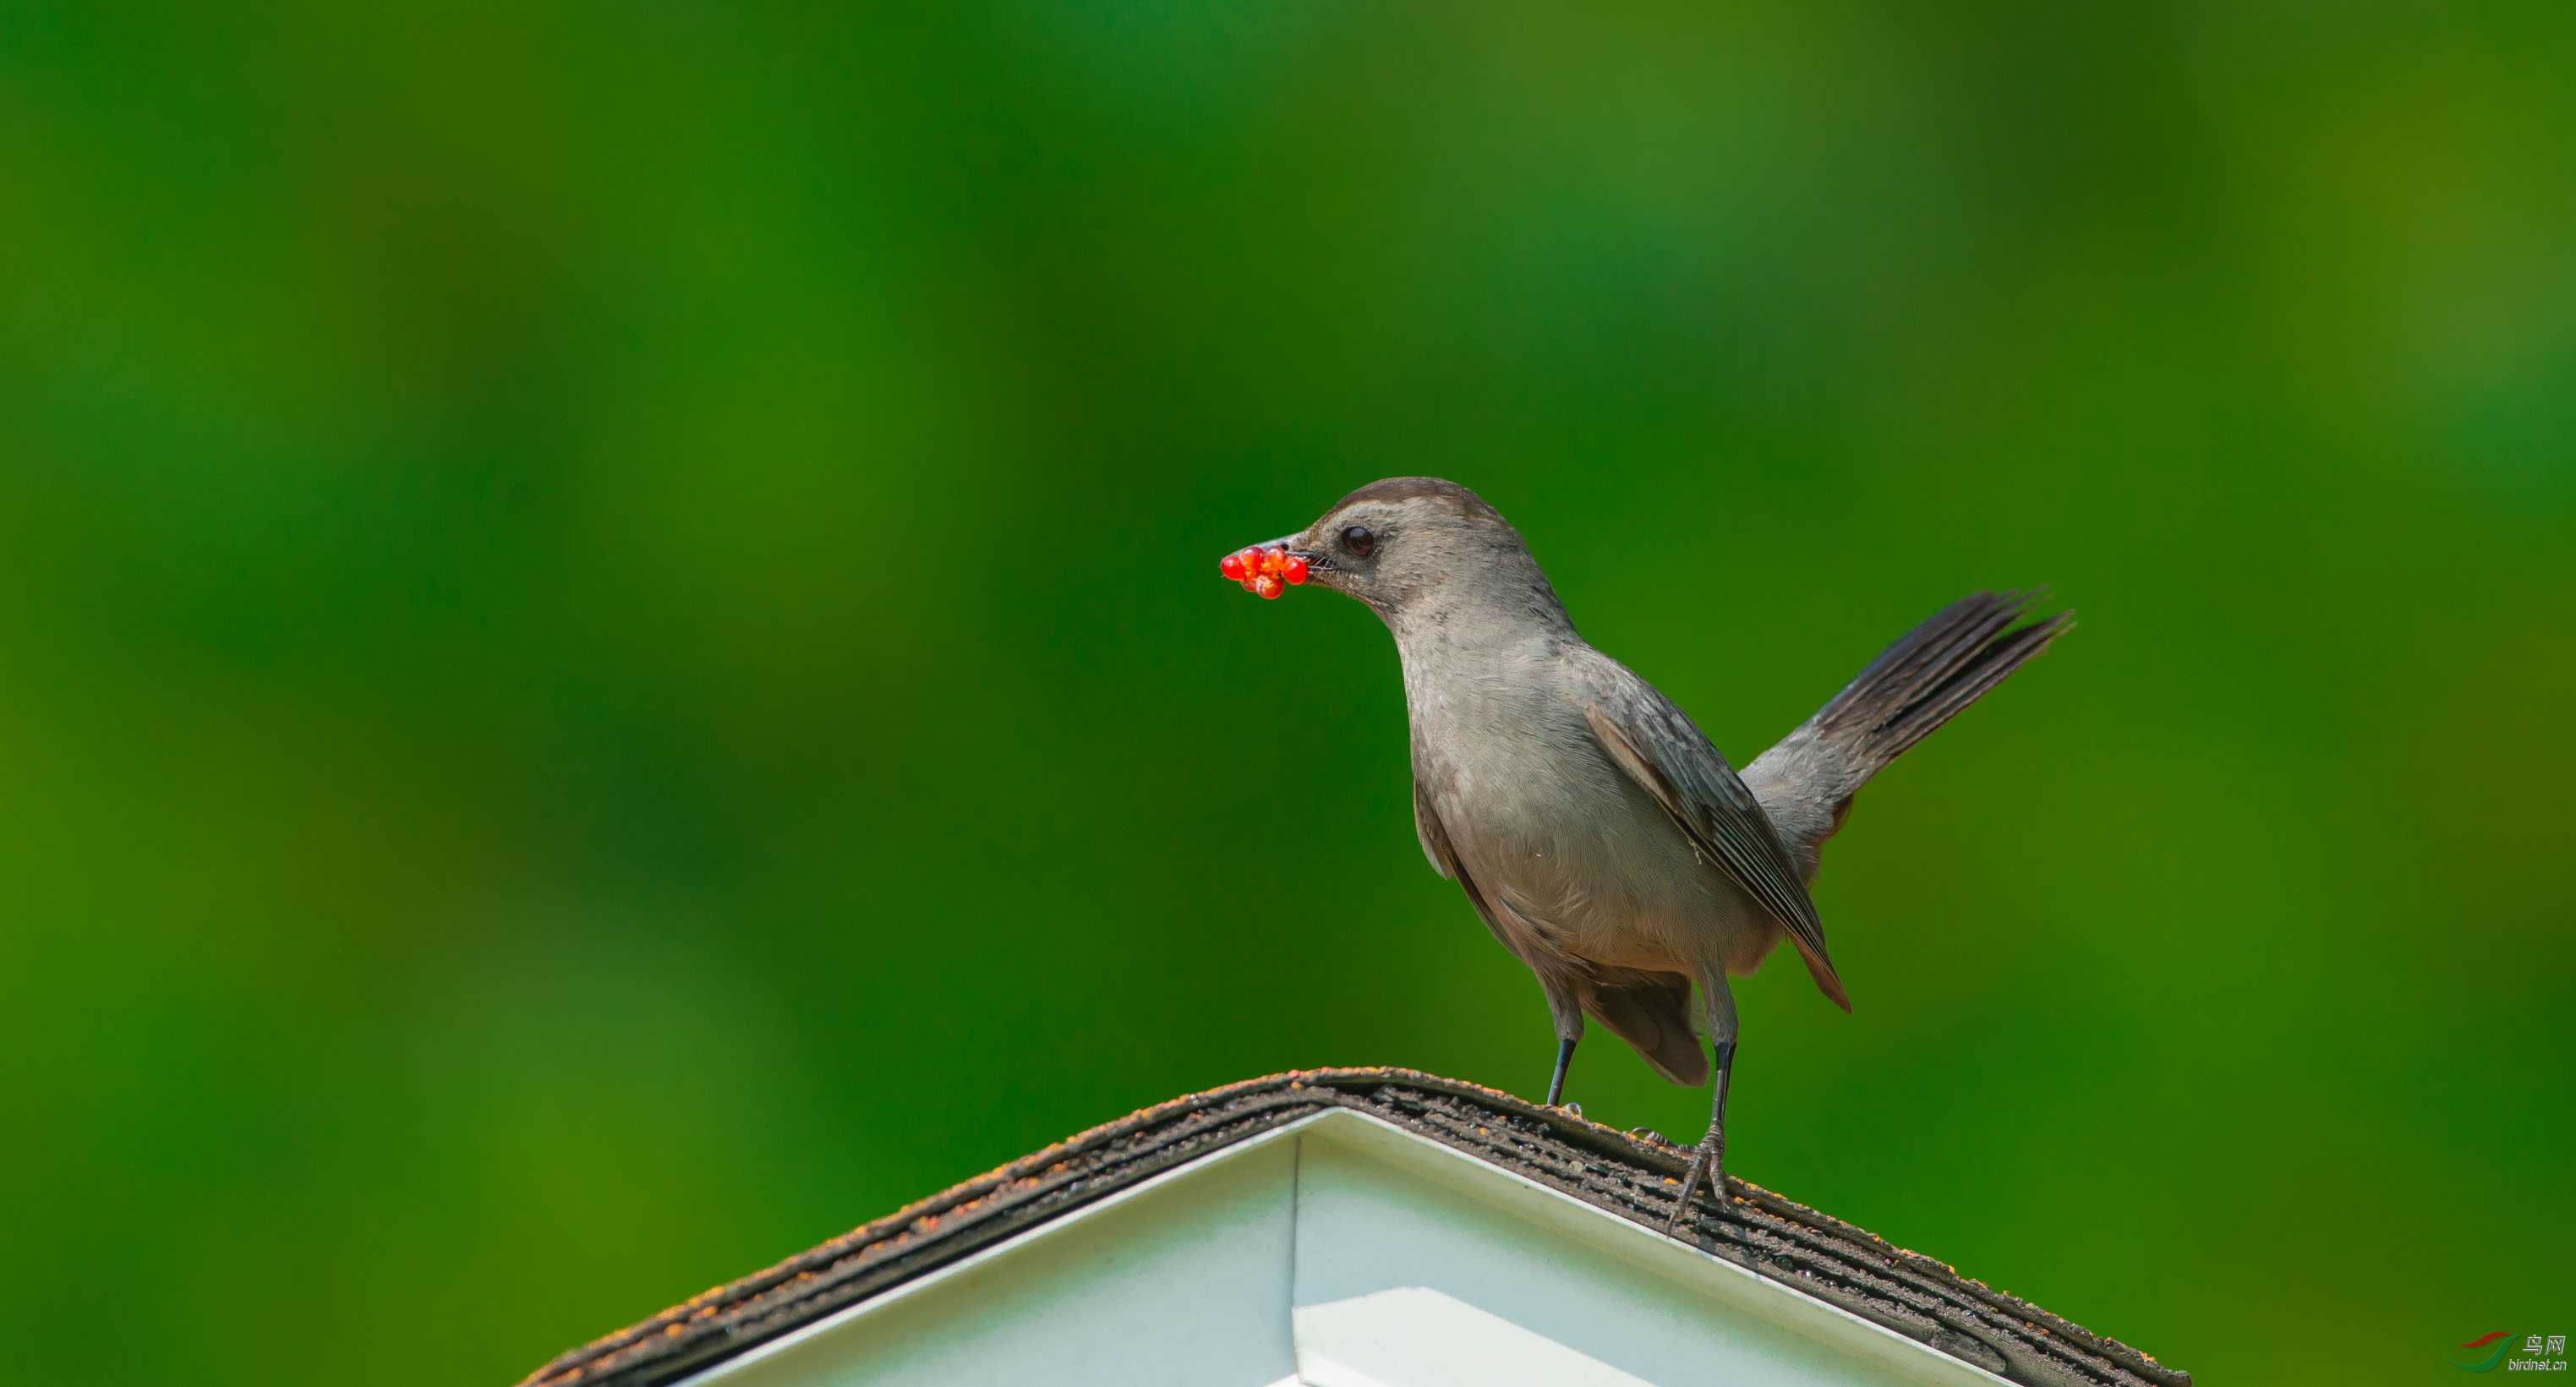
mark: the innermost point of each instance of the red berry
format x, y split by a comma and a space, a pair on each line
1267, 586
1294, 571
1231, 566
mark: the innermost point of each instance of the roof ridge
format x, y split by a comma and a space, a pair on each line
1632, 1175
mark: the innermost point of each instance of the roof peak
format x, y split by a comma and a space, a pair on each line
1630, 1175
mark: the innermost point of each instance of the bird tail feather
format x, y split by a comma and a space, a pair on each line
1652, 1012
1930, 674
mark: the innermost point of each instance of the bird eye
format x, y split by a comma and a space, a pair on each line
1358, 540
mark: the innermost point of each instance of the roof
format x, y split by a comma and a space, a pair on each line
1632, 1176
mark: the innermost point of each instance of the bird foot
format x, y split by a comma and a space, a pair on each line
1709, 1159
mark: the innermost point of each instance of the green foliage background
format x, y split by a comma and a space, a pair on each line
610, 659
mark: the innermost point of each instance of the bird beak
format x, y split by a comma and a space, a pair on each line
1294, 544
1248, 566
1291, 543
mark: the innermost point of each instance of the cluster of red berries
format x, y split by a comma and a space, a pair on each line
1264, 570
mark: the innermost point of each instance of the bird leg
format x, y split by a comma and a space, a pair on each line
1556, 1084
1710, 1158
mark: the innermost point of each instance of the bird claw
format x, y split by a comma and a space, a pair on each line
1711, 1157
1708, 1158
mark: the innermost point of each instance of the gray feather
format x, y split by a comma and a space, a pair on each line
1933, 671
1925, 678
1560, 980
1666, 753
1652, 1012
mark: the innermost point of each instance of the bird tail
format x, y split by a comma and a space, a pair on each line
1928, 675
1652, 1012
1806, 783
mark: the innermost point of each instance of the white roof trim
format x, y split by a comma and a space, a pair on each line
1295, 1251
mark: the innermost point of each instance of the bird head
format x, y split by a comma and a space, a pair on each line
1407, 546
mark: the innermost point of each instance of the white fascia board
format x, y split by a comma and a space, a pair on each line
1180, 1279
1674, 1294
1232, 1270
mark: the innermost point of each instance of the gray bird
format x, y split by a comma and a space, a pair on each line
1595, 830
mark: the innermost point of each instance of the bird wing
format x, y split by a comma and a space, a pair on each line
1435, 839
1444, 860
1662, 750
1555, 981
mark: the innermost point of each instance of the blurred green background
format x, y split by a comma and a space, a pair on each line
611, 661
